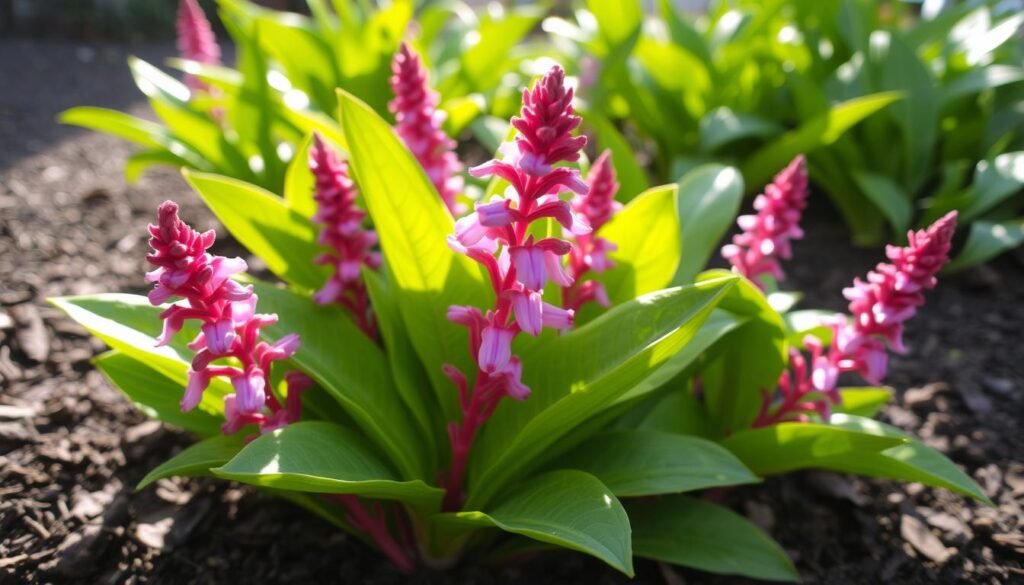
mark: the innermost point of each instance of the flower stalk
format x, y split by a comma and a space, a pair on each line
519, 265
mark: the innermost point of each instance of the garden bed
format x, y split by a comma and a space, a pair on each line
72, 449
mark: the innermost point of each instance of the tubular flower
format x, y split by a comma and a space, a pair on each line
766, 235
495, 235
590, 254
419, 125
879, 307
196, 41
350, 243
229, 325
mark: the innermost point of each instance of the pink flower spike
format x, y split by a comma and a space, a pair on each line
419, 125
495, 348
766, 236
598, 205
196, 41
546, 124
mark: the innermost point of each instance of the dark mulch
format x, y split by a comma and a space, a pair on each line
71, 448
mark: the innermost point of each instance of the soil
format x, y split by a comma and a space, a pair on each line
72, 448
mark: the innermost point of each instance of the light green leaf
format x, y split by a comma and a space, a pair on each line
264, 224
863, 401
575, 376
722, 127
119, 124
413, 225
987, 240
648, 463
693, 533
616, 19
709, 199
351, 368
977, 80
820, 131
791, 446
994, 182
155, 393
630, 175
911, 460
888, 196
567, 508
196, 460
646, 232
299, 183
322, 457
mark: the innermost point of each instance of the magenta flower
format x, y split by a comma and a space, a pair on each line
196, 41
860, 342
766, 236
590, 254
419, 125
495, 235
229, 325
350, 243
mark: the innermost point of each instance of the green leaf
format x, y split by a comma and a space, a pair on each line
791, 446
748, 360
616, 19
911, 460
646, 232
137, 130
822, 130
482, 65
299, 183
155, 393
322, 457
709, 199
197, 460
567, 508
351, 368
648, 463
888, 196
978, 80
722, 126
863, 401
138, 163
576, 375
987, 240
693, 533
264, 224
630, 175
994, 182
128, 323
413, 225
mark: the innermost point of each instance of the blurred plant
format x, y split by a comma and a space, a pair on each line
893, 111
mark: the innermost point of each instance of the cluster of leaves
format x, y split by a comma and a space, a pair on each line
903, 118
288, 68
599, 459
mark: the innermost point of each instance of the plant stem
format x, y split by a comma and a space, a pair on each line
376, 527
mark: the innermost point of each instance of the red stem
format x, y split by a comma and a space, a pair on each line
376, 527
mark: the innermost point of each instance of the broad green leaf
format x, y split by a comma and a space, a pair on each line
791, 446
576, 375
616, 19
822, 130
978, 80
196, 460
709, 198
461, 111
863, 401
157, 85
264, 224
128, 323
911, 460
567, 508
299, 183
680, 412
482, 64
748, 360
156, 394
630, 175
413, 225
693, 533
646, 232
800, 324
649, 463
119, 124
138, 163
351, 368
323, 457
987, 240
994, 182
888, 196
722, 126
306, 57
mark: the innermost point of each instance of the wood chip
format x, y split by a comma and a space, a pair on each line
917, 534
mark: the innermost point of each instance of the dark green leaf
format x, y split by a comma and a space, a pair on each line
196, 460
